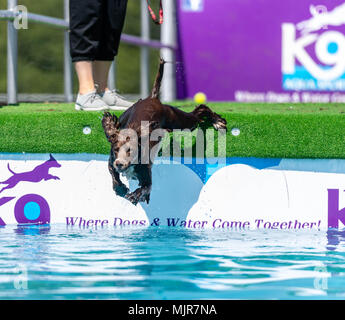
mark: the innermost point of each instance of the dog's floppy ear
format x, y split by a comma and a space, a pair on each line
110, 125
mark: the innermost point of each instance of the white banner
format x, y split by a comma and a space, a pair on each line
79, 193
239, 196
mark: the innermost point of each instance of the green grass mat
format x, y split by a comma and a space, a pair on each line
267, 130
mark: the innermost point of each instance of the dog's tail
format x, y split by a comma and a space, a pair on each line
157, 84
9, 169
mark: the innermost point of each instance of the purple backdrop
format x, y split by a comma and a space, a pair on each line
234, 49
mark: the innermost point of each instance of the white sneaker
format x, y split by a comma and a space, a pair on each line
115, 101
90, 102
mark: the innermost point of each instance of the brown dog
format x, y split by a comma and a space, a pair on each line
126, 154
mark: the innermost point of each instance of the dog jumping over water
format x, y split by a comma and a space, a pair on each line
155, 115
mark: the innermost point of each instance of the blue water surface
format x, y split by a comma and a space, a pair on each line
59, 262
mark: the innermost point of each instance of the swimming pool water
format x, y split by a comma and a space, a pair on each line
59, 262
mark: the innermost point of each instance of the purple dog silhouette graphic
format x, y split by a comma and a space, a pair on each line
41, 172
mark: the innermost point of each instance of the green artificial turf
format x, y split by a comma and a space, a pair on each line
267, 130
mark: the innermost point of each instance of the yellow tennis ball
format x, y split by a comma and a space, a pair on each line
200, 97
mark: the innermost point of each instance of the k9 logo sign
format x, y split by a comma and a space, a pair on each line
29, 208
313, 51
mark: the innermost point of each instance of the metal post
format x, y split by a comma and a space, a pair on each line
144, 51
68, 73
168, 37
112, 76
12, 57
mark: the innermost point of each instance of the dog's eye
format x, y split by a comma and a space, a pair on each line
128, 139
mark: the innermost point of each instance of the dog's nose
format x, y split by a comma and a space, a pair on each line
118, 164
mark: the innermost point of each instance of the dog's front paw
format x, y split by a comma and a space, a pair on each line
121, 190
133, 197
139, 195
50, 177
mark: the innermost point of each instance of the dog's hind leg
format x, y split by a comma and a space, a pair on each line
207, 117
118, 186
7, 187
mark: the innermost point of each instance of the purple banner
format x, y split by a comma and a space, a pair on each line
263, 50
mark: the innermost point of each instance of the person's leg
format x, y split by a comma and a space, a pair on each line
113, 14
112, 20
113, 99
85, 32
85, 76
100, 74
88, 99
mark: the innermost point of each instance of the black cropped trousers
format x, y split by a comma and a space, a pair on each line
95, 29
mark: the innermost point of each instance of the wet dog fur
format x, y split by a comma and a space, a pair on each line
155, 115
